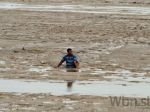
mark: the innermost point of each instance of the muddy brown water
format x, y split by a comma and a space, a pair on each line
118, 86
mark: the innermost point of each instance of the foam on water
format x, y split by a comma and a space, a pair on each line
2, 62
40, 69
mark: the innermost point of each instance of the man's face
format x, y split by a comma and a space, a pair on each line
70, 52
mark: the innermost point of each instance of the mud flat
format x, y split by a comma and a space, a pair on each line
110, 37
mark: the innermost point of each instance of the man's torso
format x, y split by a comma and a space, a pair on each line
70, 60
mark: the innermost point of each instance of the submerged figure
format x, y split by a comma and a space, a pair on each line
70, 59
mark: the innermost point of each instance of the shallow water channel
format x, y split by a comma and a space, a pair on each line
78, 8
94, 88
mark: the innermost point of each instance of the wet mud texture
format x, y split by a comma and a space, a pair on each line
33, 42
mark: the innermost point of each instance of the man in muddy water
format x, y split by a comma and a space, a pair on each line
72, 65
71, 60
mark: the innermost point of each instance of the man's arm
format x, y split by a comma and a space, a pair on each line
76, 62
60, 63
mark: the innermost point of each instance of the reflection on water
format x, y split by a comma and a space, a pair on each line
70, 82
69, 85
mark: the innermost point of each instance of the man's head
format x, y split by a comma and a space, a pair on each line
69, 51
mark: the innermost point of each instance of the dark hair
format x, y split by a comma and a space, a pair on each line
69, 49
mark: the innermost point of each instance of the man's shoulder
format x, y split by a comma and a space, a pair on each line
65, 56
74, 56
